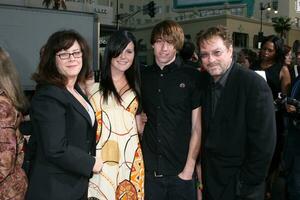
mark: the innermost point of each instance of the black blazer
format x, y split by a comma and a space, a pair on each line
65, 140
239, 140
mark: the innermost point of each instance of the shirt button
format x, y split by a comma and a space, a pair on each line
158, 90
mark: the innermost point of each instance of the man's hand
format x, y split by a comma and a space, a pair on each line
186, 175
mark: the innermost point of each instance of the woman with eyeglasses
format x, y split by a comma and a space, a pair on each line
63, 121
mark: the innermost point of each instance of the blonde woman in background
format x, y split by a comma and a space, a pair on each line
13, 181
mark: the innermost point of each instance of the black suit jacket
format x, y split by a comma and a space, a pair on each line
65, 145
239, 140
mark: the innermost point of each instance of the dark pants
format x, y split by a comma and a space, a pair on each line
292, 163
293, 180
169, 188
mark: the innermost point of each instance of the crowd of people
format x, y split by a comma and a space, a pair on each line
198, 124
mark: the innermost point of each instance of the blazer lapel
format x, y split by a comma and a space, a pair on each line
77, 105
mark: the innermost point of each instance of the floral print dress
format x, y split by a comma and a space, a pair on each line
122, 175
13, 180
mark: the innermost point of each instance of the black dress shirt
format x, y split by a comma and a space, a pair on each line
169, 96
216, 90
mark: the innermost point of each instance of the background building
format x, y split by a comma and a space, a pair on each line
244, 18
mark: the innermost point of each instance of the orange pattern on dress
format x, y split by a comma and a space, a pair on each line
99, 128
138, 172
126, 191
132, 107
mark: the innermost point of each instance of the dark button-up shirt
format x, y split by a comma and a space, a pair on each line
169, 96
216, 89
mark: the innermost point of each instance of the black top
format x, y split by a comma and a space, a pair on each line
273, 79
169, 96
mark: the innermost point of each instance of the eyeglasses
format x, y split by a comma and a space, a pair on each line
65, 56
216, 53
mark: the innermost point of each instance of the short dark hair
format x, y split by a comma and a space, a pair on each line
296, 46
250, 55
219, 31
116, 44
47, 72
168, 30
187, 50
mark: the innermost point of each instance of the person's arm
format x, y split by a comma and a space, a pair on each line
260, 139
8, 142
141, 120
285, 79
194, 146
199, 184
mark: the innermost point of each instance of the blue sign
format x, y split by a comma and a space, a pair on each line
197, 3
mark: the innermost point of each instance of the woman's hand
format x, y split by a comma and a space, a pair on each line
98, 165
290, 108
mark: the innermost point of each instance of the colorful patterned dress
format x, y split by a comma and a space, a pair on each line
122, 175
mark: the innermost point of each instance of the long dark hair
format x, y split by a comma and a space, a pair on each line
115, 46
278, 44
47, 71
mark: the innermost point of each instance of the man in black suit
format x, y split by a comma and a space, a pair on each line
238, 123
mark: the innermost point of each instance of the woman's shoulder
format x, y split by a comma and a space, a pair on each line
49, 92
4, 99
8, 113
93, 90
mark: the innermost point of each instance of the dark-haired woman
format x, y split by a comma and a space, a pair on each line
271, 60
116, 101
63, 122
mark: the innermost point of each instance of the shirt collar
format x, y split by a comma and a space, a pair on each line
170, 67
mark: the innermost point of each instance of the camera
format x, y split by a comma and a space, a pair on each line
280, 104
293, 102
283, 100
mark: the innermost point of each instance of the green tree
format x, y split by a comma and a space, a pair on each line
282, 25
56, 4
